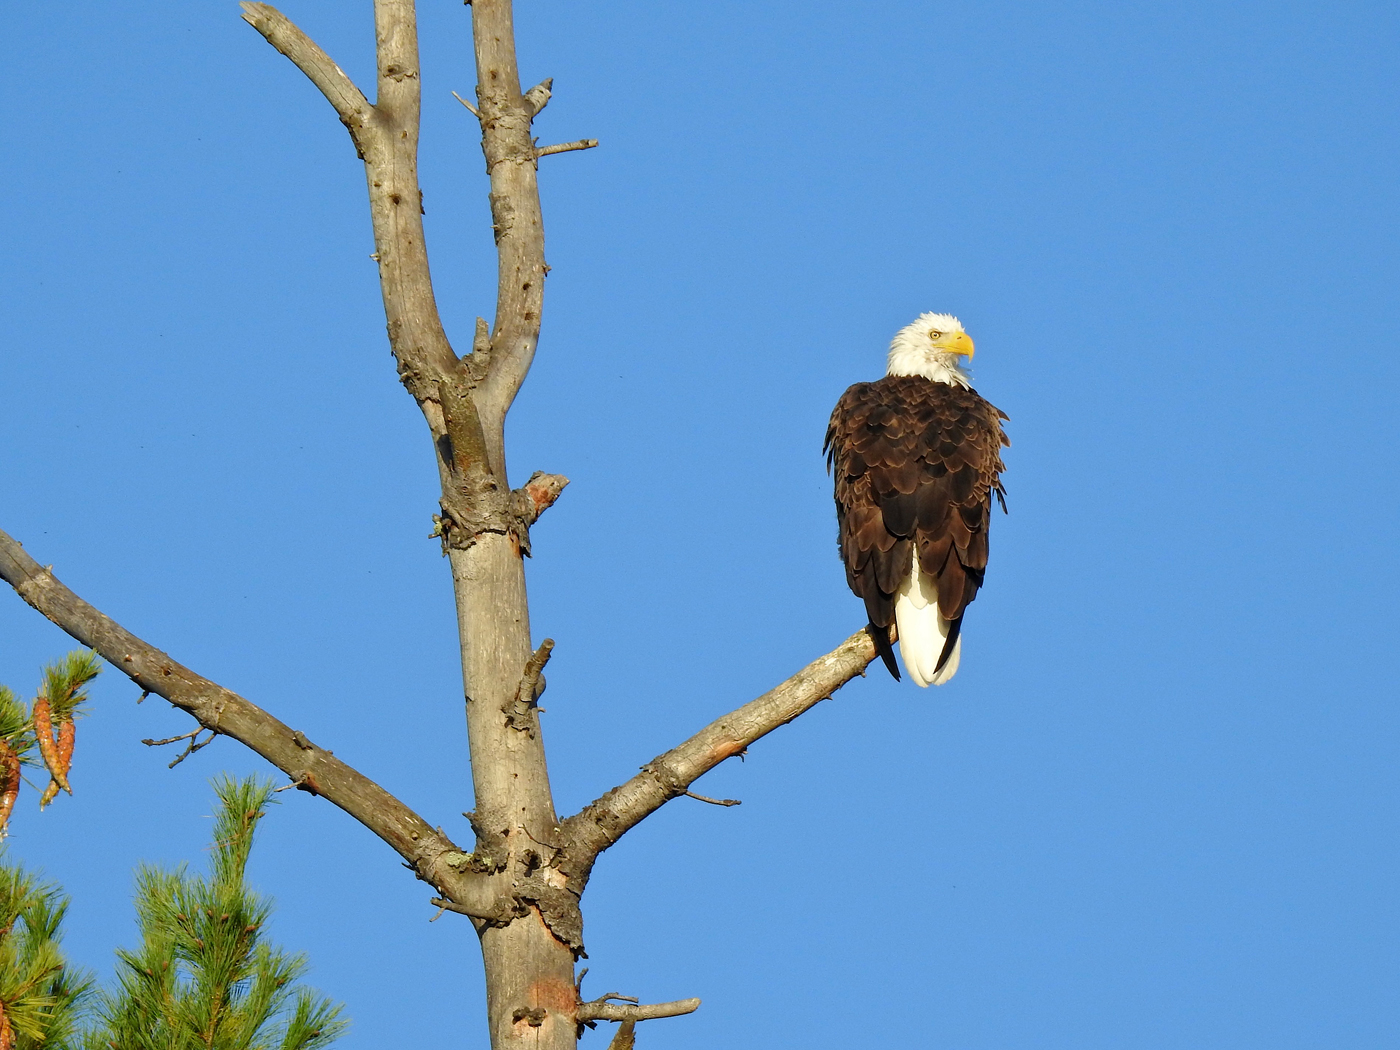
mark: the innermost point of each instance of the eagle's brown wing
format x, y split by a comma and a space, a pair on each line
915, 462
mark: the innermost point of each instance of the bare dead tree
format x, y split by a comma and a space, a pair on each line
521, 883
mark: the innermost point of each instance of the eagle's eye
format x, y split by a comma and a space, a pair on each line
934, 333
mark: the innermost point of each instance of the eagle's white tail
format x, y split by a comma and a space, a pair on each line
922, 630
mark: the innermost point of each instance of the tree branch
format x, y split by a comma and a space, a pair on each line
349, 101
565, 147
601, 823
503, 911
386, 137
538, 96
536, 496
475, 112
715, 801
602, 1010
509, 149
194, 744
430, 853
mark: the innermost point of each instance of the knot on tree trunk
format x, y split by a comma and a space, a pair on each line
492, 851
467, 515
474, 502
521, 711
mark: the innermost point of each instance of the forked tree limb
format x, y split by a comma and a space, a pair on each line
223, 711
601, 823
464, 401
386, 137
528, 954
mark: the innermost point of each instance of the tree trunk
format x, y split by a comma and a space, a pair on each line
528, 970
530, 996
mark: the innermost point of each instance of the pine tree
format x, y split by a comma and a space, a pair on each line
204, 977
41, 996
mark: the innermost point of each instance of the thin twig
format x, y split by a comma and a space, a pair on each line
565, 147
172, 739
475, 112
190, 748
715, 801
502, 913
306, 781
194, 744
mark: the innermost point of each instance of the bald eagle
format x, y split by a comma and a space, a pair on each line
917, 459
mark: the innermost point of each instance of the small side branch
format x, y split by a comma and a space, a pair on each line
520, 711
602, 1010
565, 147
495, 915
538, 96
529, 690
715, 801
601, 823
194, 744
537, 495
475, 112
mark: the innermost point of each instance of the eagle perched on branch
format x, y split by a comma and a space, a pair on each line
917, 459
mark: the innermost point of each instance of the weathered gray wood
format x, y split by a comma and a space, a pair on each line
601, 1010
601, 823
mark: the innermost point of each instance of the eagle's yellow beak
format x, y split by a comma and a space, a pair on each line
958, 343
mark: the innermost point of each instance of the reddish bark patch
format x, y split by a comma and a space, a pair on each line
722, 750
553, 994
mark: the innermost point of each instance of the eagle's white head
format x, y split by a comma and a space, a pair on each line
930, 347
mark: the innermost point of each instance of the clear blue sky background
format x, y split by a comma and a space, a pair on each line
1158, 806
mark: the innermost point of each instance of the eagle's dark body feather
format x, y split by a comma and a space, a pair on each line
916, 464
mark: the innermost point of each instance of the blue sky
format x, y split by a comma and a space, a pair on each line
1157, 807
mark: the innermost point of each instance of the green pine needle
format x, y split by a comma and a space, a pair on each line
66, 679
15, 728
44, 997
205, 975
